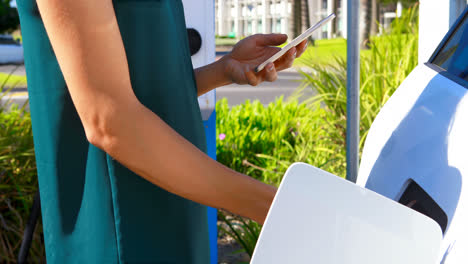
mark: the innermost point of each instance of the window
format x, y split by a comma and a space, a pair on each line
272, 25
453, 55
278, 26
324, 35
324, 4
233, 26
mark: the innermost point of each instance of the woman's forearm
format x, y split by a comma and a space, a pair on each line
212, 76
146, 145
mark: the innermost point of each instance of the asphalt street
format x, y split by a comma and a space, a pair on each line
13, 69
288, 81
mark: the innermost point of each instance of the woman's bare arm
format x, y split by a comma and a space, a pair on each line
88, 45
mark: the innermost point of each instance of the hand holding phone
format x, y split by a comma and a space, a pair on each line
295, 42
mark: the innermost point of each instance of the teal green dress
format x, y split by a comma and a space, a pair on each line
94, 210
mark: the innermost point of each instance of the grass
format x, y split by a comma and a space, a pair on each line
225, 41
324, 51
7, 80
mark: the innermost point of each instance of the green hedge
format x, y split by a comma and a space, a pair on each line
18, 181
262, 141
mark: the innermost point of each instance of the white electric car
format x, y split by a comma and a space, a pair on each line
410, 203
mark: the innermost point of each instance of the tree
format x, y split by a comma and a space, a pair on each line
371, 17
370, 7
296, 17
405, 3
9, 19
336, 4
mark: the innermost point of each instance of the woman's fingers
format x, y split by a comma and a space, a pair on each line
287, 60
270, 73
270, 39
301, 48
252, 79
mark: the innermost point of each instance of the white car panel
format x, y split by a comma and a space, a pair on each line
421, 135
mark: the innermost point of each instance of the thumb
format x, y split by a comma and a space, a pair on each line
271, 39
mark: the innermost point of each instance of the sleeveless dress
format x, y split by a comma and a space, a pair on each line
94, 210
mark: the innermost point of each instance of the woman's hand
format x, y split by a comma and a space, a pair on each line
254, 50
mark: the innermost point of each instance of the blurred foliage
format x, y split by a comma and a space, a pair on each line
262, 141
9, 18
18, 183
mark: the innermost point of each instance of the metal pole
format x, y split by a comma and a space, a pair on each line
29, 230
352, 89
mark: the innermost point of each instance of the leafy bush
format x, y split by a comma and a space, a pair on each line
392, 56
263, 141
18, 183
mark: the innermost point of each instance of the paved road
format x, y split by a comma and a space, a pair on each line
287, 83
14, 69
266, 92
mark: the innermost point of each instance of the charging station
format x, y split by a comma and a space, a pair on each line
200, 20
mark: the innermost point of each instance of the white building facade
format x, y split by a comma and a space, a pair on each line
241, 18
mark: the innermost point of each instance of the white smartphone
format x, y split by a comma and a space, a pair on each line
295, 42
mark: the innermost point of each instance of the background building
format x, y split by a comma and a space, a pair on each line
246, 17
239, 18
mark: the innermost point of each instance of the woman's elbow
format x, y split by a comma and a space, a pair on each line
100, 130
110, 125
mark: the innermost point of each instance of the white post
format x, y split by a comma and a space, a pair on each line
221, 18
435, 19
314, 16
344, 19
284, 18
319, 12
237, 18
265, 18
329, 25
272, 16
254, 18
245, 16
399, 8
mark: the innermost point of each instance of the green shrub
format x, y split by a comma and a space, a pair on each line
392, 56
18, 184
263, 141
